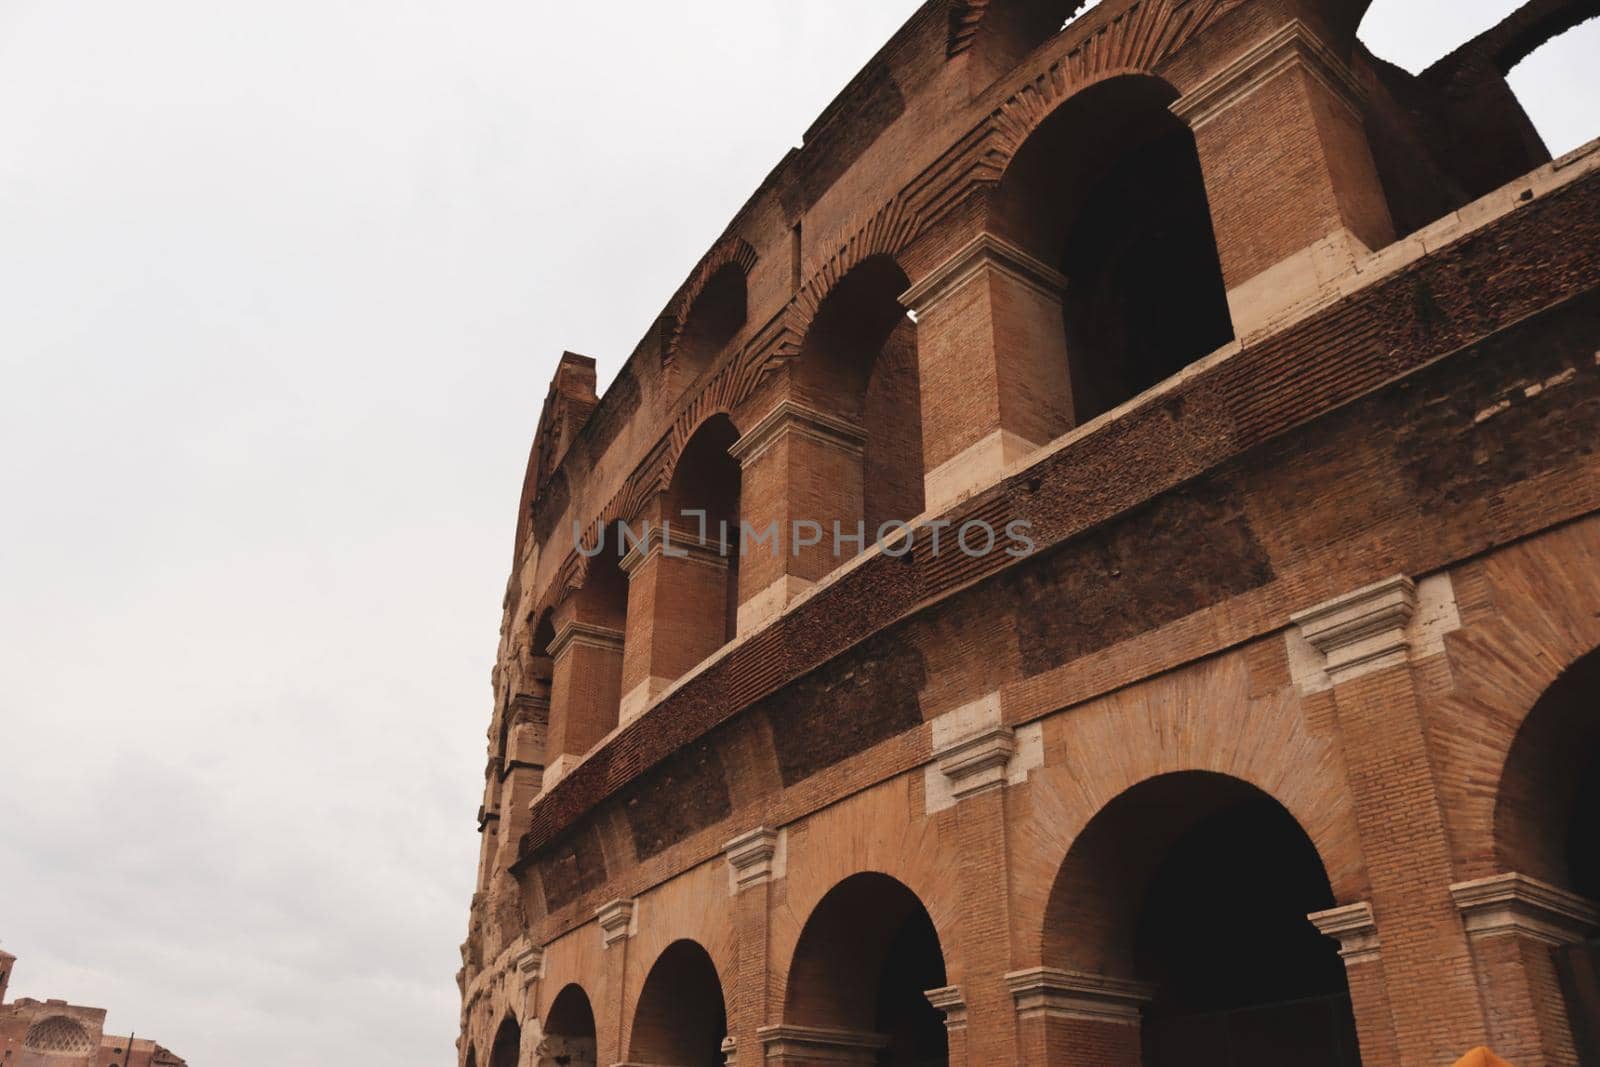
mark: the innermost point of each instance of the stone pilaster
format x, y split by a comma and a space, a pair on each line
616, 921
755, 860
950, 1003
1294, 193
973, 752
677, 610
1513, 923
991, 348
586, 691
1363, 641
800, 466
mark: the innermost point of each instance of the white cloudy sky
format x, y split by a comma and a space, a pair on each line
281, 288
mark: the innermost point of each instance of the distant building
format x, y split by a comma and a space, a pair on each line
53, 1033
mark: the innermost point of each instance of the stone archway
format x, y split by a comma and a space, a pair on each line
858, 986
1177, 933
1536, 927
569, 1032
681, 1018
507, 1048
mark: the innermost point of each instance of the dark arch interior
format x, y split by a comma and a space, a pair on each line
859, 362
1110, 190
1547, 823
864, 963
1200, 885
681, 1018
569, 1031
507, 1048
706, 479
713, 320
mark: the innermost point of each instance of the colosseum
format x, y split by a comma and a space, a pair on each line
1098, 566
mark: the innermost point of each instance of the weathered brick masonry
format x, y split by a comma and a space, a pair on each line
1279, 746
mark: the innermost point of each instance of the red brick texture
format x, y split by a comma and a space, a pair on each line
1429, 410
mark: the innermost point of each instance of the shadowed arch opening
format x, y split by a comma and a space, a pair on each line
858, 364
1109, 191
714, 319
472, 1057
702, 505
1547, 823
1196, 887
569, 1034
507, 1048
681, 1018
865, 962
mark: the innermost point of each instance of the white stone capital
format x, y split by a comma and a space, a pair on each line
1363, 631
616, 921
752, 857
792, 417
1354, 927
983, 254
977, 764
1053, 993
1292, 46
1517, 904
530, 964
948, 1000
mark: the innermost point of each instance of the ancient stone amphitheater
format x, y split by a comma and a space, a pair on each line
1099, 565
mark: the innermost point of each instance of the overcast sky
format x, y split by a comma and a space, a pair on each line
281, 289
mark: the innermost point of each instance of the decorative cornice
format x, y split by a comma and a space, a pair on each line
752, 857
659, 539
790, 417
616, 921
948, 1000
1517, 904
1354, 927
1294, 44
821, 1044
984, 252
584, 635
1054, 993
977, 764
1363, 631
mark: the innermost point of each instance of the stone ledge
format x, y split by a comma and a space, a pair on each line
1517, 904
1053, 993
1362, 631
1354, 927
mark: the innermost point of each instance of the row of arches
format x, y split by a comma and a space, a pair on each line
1108, 192
1193, 887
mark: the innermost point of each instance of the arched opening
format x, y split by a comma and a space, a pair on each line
1547, 823
865, 962
714, 319
1198, 886
681, 1018
702, 507
1109, 191
568, 1031
472, 1057
507, 1048
858, 364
